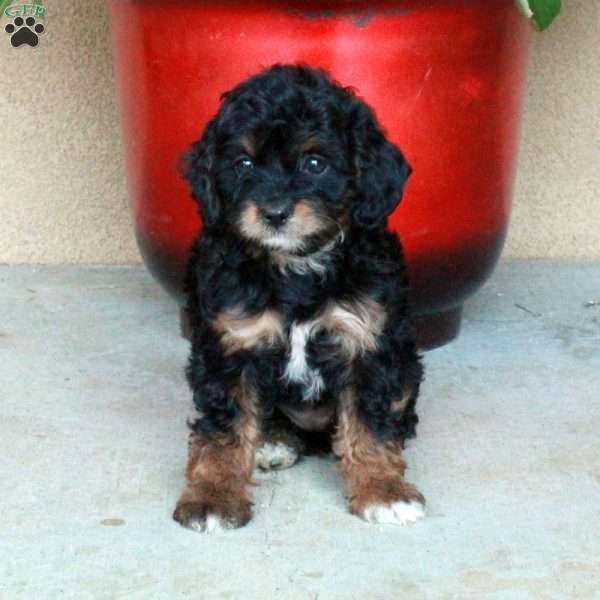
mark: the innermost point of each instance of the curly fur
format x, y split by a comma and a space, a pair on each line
331, 279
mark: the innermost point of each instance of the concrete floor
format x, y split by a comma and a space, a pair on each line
93, 404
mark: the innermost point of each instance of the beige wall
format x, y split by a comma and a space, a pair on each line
62, 191
557, 200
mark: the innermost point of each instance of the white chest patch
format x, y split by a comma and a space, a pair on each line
297, 369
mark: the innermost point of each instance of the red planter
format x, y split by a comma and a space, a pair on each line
446, 78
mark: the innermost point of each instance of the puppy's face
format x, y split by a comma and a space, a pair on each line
285, 185
292, 160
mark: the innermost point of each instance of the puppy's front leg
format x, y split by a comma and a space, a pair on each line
373, 468
219, 469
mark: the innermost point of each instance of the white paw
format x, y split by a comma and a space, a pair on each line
398, 513
211, 524
275, 456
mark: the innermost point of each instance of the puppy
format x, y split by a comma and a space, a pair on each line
297, 299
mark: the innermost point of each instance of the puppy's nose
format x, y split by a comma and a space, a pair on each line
276, 215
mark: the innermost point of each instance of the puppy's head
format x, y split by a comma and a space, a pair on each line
292, 159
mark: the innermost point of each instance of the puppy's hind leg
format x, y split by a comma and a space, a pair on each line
281, 446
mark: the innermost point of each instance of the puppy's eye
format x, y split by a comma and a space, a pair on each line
243, 165
313, 164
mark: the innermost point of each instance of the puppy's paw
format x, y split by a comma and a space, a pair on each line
396, 513
204, 518
388, 501
276, 456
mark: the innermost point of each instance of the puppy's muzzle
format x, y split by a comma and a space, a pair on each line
276, 215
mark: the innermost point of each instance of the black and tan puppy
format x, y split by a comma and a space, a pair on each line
297, 298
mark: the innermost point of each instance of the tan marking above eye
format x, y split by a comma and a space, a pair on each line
357, 323
247, 143
240, 331
309, 145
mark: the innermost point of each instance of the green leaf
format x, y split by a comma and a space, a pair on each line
3, 5
541, 12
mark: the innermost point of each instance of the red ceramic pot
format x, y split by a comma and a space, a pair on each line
446, 78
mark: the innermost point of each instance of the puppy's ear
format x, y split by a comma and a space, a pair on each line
198, 168
381, 170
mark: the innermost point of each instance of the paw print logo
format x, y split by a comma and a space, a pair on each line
24, 31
